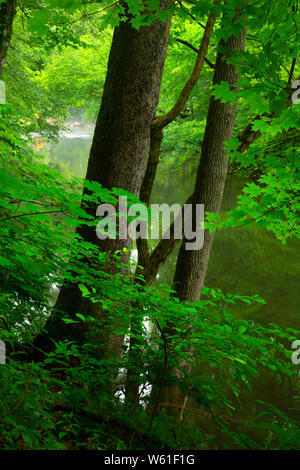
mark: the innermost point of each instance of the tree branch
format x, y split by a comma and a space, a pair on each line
188, 44
190, 14
163, 121
156, 134
156, 137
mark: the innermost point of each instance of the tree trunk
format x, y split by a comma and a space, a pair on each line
7, 13
120, 148
211, 177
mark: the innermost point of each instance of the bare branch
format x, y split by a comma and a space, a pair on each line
188, 44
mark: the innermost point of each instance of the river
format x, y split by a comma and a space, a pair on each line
243, 261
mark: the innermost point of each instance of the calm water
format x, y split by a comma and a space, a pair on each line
243, 261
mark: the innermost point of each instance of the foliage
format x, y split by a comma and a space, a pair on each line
30, 187
71, 397
65, 401
272, 201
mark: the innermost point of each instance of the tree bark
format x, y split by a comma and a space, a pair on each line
7, 14
120, 148
191, 265
211, 175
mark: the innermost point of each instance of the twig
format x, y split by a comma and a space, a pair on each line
201, 412
188, 44
17, 405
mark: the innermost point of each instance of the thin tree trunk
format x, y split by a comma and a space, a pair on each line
211, 176
191, 265
7, 14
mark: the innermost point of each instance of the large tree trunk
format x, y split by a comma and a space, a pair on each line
120, 147
211, 176
7, 14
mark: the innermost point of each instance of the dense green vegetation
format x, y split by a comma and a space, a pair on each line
118, 345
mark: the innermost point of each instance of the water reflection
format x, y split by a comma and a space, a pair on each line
243, 261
